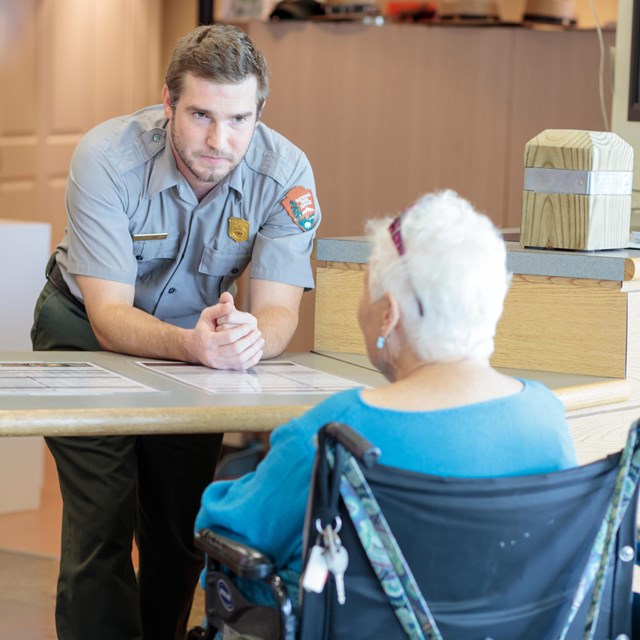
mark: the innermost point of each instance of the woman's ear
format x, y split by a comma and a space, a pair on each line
390, 313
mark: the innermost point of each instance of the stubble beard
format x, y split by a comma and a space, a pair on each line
189, 160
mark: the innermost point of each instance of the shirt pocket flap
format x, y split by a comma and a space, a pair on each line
166, 249
220, 263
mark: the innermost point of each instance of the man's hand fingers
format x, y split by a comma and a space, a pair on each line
225, 338
234, 318
241, 354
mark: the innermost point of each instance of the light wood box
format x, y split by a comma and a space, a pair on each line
577, 190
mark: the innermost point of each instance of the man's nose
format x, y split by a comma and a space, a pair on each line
216, 136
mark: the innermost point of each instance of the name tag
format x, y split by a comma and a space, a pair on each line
143, 237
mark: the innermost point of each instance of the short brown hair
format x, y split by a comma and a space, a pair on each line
221, 53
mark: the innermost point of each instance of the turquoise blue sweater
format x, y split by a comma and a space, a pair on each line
520, 434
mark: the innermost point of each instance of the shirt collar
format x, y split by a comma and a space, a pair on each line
164, 173
236, 179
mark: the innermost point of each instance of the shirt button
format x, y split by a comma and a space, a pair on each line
156, 137
138, 258
234, 270
171, 290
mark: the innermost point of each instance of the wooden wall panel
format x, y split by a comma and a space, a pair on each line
65, 66
19, 154
66, 52
17, 69
375, 110
178, 18
18, 199
127, 48
18, 118
555, 86
388, 113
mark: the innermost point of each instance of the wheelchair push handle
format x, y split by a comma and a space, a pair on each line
352, 441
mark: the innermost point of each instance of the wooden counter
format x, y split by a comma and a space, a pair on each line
175, 408
571, 320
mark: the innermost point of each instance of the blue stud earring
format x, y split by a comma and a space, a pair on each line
380, 342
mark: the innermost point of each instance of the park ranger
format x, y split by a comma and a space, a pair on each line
166, 208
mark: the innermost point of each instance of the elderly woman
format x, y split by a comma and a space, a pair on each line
434, 293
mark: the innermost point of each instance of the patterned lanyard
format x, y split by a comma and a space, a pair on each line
385, 556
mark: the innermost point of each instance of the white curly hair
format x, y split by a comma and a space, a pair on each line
454, 266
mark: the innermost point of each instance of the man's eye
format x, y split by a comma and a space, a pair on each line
200, 115
239, 119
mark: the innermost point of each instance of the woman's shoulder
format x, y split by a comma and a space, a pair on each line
537, 397
333, 408
537, 389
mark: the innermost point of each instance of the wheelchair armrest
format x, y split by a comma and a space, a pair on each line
351, 440
243, 560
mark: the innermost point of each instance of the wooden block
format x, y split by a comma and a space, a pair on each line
578, 222
577, 191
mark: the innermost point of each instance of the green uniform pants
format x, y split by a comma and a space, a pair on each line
114, 488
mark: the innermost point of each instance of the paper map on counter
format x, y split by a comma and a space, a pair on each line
265, 377
63, 378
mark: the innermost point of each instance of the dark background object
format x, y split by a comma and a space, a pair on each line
205, 11
297, 10
634, 66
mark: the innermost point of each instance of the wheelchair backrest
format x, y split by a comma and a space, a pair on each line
494, 558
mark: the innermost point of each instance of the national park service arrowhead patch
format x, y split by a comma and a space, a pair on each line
301, 207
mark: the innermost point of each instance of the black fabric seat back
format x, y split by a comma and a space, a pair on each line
494, 558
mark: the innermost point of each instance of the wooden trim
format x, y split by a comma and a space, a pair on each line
106, 422
594, 395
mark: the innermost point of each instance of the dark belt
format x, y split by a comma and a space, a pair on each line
54, 276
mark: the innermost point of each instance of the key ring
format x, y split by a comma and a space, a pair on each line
338, 525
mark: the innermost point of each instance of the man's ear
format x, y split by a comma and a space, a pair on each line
167, 103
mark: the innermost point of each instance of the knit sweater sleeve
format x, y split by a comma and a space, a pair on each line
266, 508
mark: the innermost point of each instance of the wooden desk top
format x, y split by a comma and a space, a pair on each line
178, 408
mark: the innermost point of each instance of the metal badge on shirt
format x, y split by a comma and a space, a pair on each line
300, 206
238, 229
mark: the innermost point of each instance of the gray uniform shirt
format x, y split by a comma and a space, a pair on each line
124, 187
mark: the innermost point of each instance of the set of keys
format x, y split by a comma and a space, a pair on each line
326, 556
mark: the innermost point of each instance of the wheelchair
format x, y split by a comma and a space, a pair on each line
537, 557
